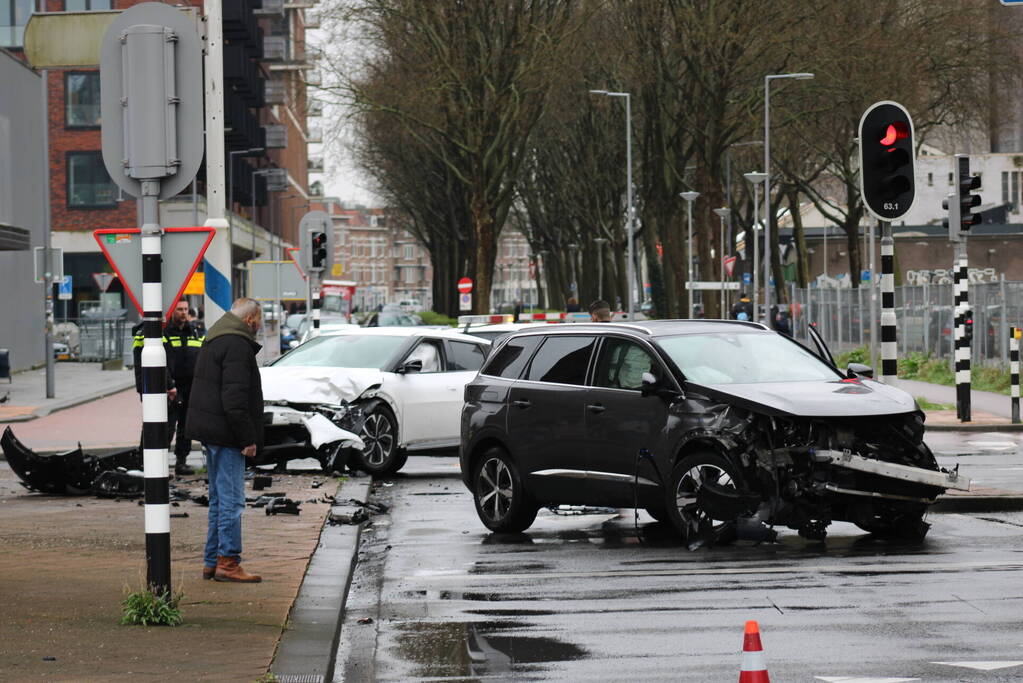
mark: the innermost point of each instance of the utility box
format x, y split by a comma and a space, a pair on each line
5, 365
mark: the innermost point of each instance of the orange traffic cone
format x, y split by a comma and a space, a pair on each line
754, 668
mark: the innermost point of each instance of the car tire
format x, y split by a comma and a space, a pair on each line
683, 510
381, 457
659, 514
502, 502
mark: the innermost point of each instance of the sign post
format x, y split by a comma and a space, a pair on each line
152, 113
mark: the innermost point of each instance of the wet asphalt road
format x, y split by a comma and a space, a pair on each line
586, 597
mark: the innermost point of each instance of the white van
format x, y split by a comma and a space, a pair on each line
410, 305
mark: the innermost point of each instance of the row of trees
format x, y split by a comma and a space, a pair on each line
474, 116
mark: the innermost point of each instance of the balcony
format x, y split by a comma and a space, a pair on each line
313, 77
312, 20
315, 164
315, 108
271, 7
275, 48
276, 136
314, 136
276, 92
277, 179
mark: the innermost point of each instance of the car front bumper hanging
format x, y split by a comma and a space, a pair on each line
917, 475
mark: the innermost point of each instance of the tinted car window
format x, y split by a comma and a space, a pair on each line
465, 356
562, 360
509, 361
622, 364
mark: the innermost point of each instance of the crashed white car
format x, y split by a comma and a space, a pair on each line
372, 395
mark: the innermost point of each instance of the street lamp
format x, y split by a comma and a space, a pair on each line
767, 170
690, 197
230, 192
601, 241
262, 171
628, 190
756, 179
572, 250
723, 213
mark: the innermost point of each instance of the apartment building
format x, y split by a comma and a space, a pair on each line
266, 112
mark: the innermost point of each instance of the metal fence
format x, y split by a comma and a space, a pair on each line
95, 338
925, 315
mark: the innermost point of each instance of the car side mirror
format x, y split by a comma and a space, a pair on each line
410, 366
854, 370
651, 386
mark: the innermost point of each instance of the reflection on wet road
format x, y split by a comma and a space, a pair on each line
607, 597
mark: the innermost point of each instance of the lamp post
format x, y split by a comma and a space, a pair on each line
230, 194
572, 250
756, 178
690, 197
262, 171
630, 214
723, 214
767, 169
601, 241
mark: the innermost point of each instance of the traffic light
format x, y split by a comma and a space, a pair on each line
887, 180
968, 330
964, 183
318, 253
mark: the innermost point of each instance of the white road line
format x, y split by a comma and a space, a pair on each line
903, 568
859, 679
982, 666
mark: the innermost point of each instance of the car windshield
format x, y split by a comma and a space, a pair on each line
395, 319
744, 358
344, 351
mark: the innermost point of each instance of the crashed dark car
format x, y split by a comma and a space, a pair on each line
718, 427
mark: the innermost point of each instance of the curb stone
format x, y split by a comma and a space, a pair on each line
974, 428
43, 411
308, 645
967, 503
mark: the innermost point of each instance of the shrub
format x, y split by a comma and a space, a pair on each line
147, 608
434, 318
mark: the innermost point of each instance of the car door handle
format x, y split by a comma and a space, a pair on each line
522, 403
595, 408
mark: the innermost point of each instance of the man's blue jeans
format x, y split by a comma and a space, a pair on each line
225, 468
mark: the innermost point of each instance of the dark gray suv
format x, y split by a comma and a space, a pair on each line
706, 424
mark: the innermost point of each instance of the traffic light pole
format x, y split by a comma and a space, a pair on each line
962, 338
889, 329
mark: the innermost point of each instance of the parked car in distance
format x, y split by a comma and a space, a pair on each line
398, 389
710, 425
392, 318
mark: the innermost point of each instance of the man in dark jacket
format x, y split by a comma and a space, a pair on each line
226, 414
743, 308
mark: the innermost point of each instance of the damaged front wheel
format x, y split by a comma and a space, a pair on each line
702, 490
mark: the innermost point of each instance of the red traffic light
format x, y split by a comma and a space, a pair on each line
893, 132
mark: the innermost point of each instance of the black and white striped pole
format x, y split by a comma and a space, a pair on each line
889, 330
154, 397
152, 113
962, 341
1014, 336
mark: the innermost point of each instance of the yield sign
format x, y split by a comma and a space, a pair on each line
729, 263
182, 249
103, 280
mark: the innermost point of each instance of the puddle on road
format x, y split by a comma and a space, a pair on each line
478, 648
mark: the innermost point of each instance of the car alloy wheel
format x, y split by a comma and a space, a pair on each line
689, 475
378, 434
502, 502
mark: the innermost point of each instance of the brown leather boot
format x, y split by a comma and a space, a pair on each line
208, 572
229, 569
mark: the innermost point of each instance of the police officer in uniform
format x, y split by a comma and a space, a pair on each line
182, 342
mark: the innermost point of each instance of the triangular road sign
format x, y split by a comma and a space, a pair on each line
182, 249
103, 280
729, 262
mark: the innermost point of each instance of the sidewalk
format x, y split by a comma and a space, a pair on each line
989, 411
68, 562
114, 421
74, 383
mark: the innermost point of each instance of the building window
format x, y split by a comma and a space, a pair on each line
81, 95
13, 17
88, 184
410, 252
411, 275
950, 180
85, 5
930, 179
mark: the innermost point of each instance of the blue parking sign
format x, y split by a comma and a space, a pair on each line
865, 275
64, 288
746, 278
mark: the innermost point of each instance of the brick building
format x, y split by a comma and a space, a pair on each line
266, 105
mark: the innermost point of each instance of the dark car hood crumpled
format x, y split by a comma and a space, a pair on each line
839, 398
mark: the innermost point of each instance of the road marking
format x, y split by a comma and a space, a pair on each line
870, 569
994, 445
859, 679
982, 666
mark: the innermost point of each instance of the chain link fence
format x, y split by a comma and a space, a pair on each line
925, 314
95, 338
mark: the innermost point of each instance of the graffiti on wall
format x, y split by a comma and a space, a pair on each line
943, 276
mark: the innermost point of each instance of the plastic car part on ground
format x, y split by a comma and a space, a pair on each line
321, 430
73, 473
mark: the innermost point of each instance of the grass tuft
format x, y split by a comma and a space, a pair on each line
147, 608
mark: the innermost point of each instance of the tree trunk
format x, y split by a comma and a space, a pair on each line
798, 234
485, 254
